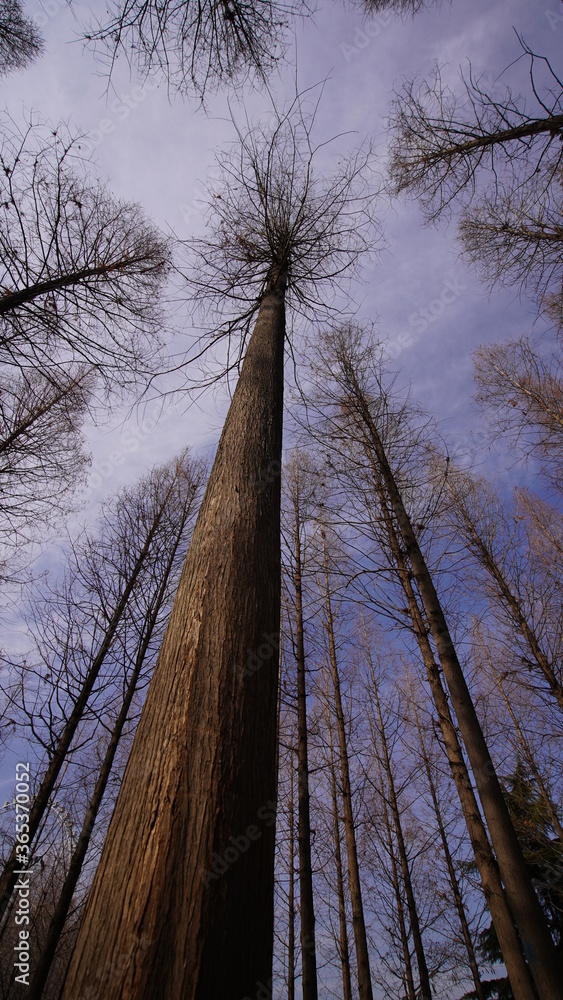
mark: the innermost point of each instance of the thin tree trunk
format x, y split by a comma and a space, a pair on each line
343, 939
12, 300
358, 920
409, 977
43, 794
291, 894
456, 890
517, 969
536, 939
182, 902
425, 991
308, 950
45, 959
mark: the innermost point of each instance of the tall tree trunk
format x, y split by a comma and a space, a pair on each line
456, 889
493, 890
308, 949
291, 893
409, 977
58, 755
358, 920
182, 902
536, 939
45, 959
343, 939
424, 989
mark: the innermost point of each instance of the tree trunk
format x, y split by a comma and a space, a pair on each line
536, 939
409, 977
41, 798
291, 892
308, 950
358, 921
456, 890
516, 967
45, 960
182, 903
425, 992
343, 940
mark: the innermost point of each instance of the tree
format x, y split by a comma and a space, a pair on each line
198, 46
81, 272
299, 488
20, 42
442, 145
110, 576
520, 385
41, 448
355, 388
203, 768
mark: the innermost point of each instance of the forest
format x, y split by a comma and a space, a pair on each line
281, 485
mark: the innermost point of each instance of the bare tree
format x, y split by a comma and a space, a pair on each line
443, 146
81, 271
200, 45
20, 41
356, 390
41, 449
110, 575
520, 385
201, 765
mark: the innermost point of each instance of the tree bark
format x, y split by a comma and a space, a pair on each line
308, 949
343, 939
358, 920
291, 892
182, 903
536, 939
41, 798
45, 960
425, 991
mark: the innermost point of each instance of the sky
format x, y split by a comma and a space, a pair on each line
159, 151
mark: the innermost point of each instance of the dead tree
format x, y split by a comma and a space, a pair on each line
343, 945
197, 46
20, 41
354, 373
82, 273
446, 147
173, 889
105, 573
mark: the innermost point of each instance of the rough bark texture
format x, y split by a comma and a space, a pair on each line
308, 950
358, 921
291, 894
538, 946
182, 903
